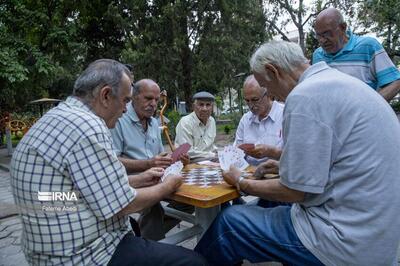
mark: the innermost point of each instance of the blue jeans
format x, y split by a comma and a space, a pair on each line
256, 234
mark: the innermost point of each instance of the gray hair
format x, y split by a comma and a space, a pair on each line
98, 74
282, 54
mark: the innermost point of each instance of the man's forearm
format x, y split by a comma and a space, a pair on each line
134, 181
272, 190
389, 91
132, 165
146, 197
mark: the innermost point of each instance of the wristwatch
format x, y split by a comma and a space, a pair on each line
242, 193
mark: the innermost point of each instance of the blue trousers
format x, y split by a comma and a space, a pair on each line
256, 234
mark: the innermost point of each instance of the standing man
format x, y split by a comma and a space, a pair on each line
263, 123
340, 157
359, 56
138, 145
69, 151
198, 128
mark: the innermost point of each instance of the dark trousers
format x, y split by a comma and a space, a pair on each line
153, 222
134, 250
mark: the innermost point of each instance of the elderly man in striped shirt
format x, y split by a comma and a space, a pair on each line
358, 56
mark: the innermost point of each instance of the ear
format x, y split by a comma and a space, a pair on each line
272, 71
343, 27
105, 95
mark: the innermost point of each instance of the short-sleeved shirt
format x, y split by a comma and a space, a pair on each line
201, 137
342, 148
364, 58
131, 140
267, 131
70, 149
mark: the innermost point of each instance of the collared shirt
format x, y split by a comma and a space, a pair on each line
267, 131
364, 58
131, 140
201, 137
70, 149
342, 148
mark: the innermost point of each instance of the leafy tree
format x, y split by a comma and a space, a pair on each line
280, 13
383, 18
35, 47
188, 46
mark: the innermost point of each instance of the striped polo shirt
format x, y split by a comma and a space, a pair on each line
364, 58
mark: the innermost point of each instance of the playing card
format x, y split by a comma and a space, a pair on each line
184, 148
173, 169
232, 155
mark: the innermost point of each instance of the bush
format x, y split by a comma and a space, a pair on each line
227, 129
174, 118
396, 106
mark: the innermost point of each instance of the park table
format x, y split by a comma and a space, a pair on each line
206, 200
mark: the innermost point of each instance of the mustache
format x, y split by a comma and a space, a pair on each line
149, 109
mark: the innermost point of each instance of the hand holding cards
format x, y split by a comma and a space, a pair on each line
232, 155
173, 169
184, 148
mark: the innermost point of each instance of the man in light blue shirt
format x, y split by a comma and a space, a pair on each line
263, 123
138, 145
359, 56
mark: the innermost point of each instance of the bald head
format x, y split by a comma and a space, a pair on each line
331, 15
330, 30
144, 84
146, 94
256, 97
251, 84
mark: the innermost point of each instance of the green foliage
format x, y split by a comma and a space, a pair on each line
311, 45
396, 106
383, 18
37, 48
188, 46
174, 118
219, 102
227, 129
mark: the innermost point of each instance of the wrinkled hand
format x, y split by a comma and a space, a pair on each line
162, 160
150, 177
232, 175
173, 182
261, 150
268, 167
184, 158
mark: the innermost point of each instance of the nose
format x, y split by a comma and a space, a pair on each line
153, 103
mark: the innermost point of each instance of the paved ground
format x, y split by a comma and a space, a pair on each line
10, 225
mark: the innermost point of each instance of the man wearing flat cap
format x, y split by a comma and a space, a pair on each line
198, 128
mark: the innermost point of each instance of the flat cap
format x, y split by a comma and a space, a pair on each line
204, 95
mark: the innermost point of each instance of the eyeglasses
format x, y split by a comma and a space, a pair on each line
255, 101
326, 34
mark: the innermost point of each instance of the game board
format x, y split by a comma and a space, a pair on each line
205, 176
